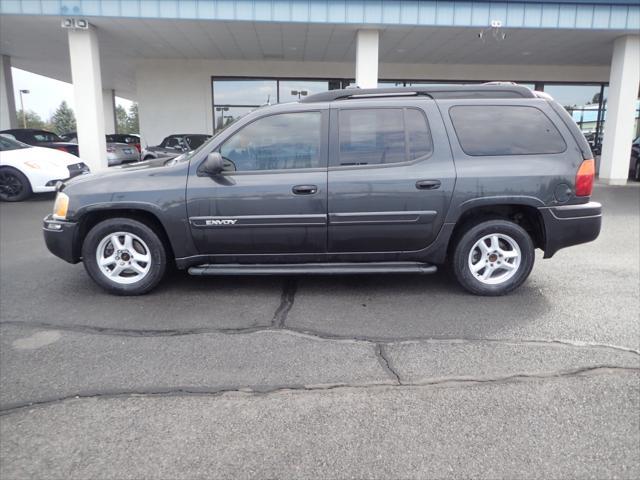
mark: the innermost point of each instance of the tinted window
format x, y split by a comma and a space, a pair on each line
7, 143
41, 136
171, 142
195, 141
505, 130
377, 136
289, 140
418, 134
122, 139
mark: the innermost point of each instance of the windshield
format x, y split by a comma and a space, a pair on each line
10, 144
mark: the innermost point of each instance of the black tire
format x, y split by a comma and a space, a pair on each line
636, 171
465, 244
14, 185
156, 250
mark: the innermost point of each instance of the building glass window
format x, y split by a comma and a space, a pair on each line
233, 98
245, 92
294, 90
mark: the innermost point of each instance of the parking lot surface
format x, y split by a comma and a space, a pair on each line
322, 377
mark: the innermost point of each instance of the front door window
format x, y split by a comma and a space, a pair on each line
277, 142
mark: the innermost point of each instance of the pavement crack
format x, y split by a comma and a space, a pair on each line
261, 390
278, 324
382, 357
287, 298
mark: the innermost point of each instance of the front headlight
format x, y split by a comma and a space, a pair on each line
61, 206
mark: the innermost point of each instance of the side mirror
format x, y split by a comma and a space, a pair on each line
213, 165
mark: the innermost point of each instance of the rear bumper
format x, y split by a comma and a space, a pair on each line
60, 237
570, 225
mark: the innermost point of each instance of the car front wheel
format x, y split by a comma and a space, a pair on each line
493, 258
124, 256
14, 185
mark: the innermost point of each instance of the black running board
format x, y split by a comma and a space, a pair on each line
312, 268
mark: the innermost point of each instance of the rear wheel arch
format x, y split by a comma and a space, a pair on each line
150, 219
526, 216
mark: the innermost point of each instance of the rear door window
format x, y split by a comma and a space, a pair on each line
374, 136
488, 130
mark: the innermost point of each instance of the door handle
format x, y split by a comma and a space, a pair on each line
305, 189
428, 184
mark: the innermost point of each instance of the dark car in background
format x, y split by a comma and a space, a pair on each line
175, 145
41, 138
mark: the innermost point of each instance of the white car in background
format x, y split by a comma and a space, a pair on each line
25, 169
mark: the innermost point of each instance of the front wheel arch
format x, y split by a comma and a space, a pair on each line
91, 219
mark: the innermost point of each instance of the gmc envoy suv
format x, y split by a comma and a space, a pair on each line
398, 180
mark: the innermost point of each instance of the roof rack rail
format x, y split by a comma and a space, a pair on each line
489, 90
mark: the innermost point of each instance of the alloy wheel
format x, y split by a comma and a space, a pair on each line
494, 259
123, 258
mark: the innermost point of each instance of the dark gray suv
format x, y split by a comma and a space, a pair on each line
344, 182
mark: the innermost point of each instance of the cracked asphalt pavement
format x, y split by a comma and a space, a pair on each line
322, 377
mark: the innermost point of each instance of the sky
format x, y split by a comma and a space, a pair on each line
45, 94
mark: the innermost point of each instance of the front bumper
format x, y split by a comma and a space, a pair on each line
61, 238
570, 225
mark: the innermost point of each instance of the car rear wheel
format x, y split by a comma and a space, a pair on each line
14, 185
636, 171
124, 256
493, 257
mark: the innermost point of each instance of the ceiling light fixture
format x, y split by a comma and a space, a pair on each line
75, 23
494, 31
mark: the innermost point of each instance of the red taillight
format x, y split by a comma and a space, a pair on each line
62, 149
110, 149
584, 178
138, 147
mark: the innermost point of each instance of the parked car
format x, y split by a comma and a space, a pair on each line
128, 138
347, 181
175, 145
595, 142
634, 164
117, 153
25, 169
41, 138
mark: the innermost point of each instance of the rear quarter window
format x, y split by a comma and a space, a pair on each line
488, 130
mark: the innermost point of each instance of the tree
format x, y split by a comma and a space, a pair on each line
134, 122
33, 120
127, 122
122, 120
63, 120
